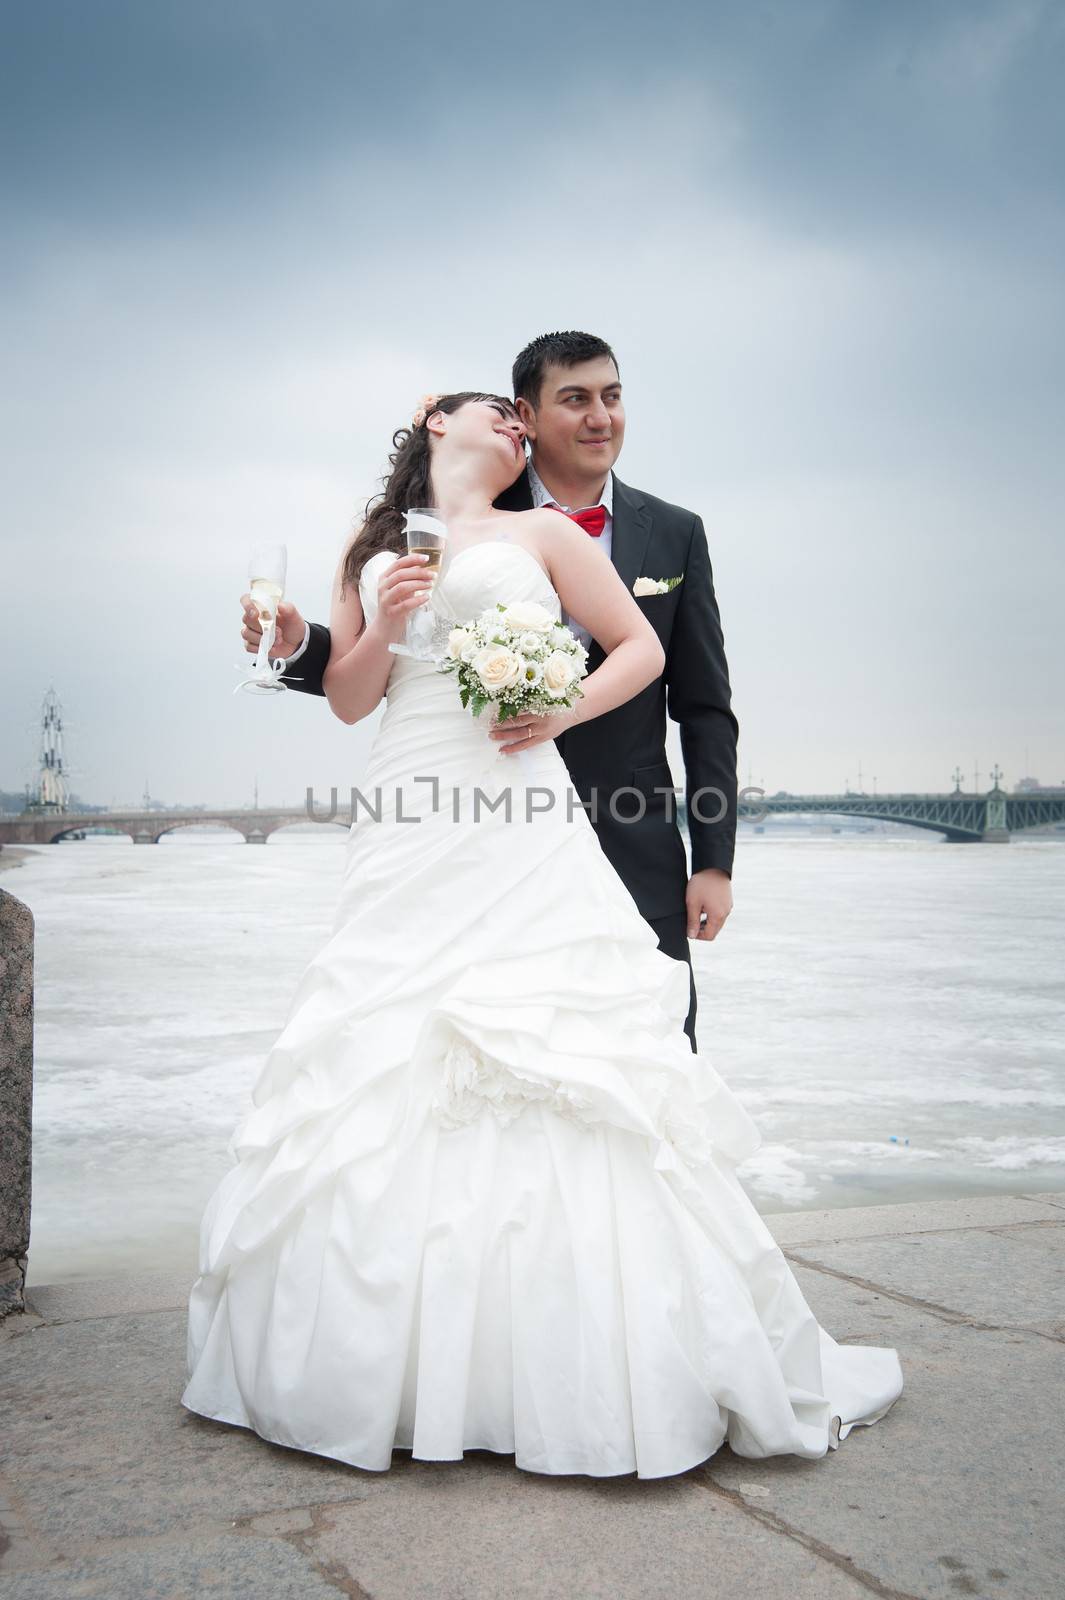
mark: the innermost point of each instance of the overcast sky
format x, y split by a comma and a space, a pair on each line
826, 240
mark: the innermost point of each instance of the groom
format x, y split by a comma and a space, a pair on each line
568, 392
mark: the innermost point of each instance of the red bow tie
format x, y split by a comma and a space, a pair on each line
592, 520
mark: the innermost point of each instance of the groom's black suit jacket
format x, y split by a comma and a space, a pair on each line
625, 749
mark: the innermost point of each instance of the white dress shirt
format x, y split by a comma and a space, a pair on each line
542, 496
300, 648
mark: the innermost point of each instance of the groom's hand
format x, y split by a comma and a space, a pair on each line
709, 892
290, 629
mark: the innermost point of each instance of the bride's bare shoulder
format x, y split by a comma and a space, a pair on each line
542, 532
543, 523
535, 514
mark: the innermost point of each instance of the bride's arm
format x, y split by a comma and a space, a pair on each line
592, 594
360, 660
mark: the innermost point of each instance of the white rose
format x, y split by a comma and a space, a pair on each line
458, 640
646, 586
496, 666
532, 644
558, 673
560, 635
526, 614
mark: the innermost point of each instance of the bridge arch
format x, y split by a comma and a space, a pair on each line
307, 828
184, 824
872, 814
79, 829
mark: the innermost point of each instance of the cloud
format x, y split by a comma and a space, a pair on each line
823, 237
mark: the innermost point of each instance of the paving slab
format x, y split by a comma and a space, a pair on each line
483, 1529
227, 1565
1008, 1277
866, 1222
856, 1315
99, 1445
108, 1297
113, 1489
957, 1491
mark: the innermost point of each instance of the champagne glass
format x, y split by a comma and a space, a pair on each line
426, 536
266, 572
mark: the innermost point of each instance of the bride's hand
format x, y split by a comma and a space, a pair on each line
403, 588
530, 729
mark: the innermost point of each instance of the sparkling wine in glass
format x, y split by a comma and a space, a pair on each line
266, 571
426, 536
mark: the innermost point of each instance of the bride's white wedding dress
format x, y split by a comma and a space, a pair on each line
485, 1196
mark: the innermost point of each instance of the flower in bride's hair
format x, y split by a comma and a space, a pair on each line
426, 406
496, 666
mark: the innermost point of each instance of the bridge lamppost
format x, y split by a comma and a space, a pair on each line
956, 775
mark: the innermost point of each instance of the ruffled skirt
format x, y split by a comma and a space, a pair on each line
485, 1196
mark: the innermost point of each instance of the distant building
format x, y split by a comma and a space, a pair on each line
1033, 786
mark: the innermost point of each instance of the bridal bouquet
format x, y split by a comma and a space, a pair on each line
516, 658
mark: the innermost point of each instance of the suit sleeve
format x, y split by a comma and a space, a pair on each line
308, 671
699, 698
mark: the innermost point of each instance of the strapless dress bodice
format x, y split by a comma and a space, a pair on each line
425, 726
474, 579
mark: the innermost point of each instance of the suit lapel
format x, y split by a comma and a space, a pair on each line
630, 534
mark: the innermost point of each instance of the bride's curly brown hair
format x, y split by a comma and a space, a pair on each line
408, 484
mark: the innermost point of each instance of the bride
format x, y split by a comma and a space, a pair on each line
485, 1196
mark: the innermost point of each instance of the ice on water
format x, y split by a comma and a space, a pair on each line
863, 989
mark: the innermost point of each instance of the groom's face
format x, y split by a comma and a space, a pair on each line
577, 425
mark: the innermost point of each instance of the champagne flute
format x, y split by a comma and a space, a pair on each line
426, 536
266, 572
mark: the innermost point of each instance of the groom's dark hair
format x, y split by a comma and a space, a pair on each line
554, 350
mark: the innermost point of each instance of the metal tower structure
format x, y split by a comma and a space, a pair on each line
52, 792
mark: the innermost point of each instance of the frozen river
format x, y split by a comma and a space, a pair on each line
865, 993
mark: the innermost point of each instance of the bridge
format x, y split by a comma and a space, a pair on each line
148, 827
960, 817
